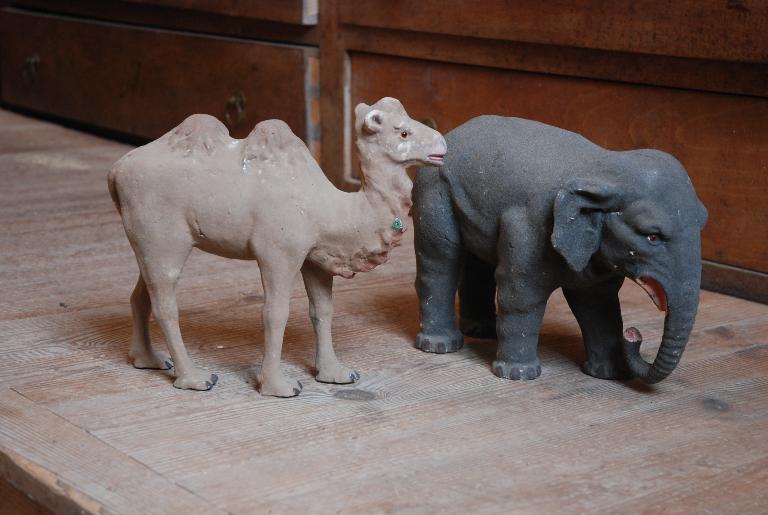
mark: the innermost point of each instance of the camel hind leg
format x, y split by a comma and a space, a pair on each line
161, 253
142, 354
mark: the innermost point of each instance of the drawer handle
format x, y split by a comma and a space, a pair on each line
430, 122
31, 67
234, 111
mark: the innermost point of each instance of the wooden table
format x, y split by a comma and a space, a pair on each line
80, 429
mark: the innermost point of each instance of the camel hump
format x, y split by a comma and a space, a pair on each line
271, 140
199, 133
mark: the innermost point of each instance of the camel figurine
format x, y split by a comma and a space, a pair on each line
264, 198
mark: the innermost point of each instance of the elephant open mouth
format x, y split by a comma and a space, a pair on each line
655, 291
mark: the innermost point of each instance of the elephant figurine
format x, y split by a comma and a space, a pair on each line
520, 208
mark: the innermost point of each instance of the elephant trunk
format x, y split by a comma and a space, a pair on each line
678, 323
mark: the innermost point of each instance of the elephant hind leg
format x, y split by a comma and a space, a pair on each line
438, 263
477, 298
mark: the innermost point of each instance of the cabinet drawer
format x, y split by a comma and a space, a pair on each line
143, 82
720, 139
301, 12
703, 29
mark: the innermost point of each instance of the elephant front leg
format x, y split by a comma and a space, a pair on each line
598, 312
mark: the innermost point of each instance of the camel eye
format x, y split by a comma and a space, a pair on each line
404, 134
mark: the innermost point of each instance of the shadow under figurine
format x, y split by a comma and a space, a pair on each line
263, 198
521, 208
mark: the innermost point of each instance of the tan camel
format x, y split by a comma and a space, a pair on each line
263, 198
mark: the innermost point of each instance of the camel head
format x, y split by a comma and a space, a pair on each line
386, 134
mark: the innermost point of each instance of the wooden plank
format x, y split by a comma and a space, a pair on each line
719, 138
302, 12
414, 423
143, 82
162, 16
70, 464
658, 70
702, 29
13, 500
334, 92
730, 280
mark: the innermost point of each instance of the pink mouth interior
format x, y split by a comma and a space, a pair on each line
632, 335
654, 290
435, 157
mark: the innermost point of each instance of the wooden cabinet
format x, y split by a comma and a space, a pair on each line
143, 82
687, 77
719, 138
733, 30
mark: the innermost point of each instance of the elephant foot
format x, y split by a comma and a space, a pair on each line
478, 328
440, 343
516, 371
606, 370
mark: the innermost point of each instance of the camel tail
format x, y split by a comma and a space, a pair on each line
111, 177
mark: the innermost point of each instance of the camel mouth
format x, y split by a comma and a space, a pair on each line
436, 158
655, 291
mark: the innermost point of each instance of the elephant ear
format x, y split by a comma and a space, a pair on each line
579, 212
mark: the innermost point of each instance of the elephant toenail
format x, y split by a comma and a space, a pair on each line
214, 379
441, 348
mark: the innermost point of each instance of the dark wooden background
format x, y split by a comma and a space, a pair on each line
689, 77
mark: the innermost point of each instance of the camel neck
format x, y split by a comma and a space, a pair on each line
387, 187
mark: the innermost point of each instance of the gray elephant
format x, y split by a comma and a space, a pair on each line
519, 209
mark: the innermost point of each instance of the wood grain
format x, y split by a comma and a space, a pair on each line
116, 482
420, 433
736, 30
144, 82
720, 139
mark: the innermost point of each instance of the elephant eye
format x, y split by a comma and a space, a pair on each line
404, 134
654, 239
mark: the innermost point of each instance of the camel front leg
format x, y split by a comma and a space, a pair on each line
319, 285
277, 276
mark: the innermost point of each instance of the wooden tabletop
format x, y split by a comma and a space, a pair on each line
80, 429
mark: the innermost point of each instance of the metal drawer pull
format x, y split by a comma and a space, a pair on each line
234, 112
430, 122
31, 67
